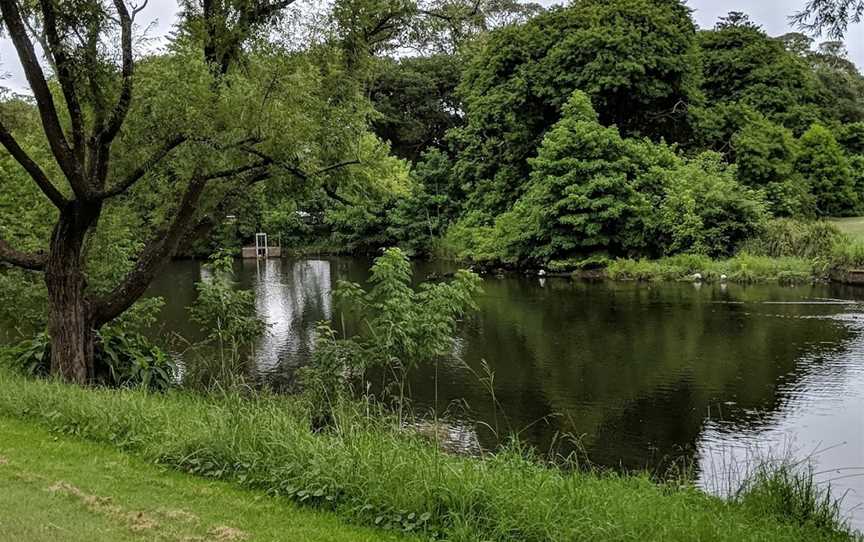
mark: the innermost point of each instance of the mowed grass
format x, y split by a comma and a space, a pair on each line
60, 488
851, 226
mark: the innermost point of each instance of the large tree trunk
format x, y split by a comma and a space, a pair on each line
70, 319
71, 330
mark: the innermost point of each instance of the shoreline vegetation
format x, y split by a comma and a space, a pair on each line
785, 251
371, 471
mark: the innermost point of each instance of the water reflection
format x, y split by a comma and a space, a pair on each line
644, 376
291, 297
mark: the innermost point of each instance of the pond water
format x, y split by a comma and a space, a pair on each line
645, 376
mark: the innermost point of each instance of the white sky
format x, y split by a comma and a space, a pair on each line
772, 15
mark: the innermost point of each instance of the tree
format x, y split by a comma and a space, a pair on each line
704, 209
636, 60
110, 129
416, 99
418, 221
765, 154
742, 64
586, 194
825, 167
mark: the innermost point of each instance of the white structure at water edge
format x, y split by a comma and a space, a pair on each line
262, 248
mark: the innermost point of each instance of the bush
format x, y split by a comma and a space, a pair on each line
826, 170
704, 209
229, 319
401, 327
123, 358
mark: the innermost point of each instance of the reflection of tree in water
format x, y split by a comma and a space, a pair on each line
633, 369
292, 297
643, 372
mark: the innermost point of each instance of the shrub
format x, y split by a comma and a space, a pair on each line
229, 319
124, 357
826, 170
704, 209
400, 327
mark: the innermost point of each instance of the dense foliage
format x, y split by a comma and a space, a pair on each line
497, 132
684, 140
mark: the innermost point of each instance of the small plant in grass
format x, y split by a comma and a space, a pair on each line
400, 326
230, 321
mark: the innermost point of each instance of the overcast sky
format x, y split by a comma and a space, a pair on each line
772, 15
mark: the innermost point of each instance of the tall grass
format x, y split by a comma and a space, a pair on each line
789, 492
745, 268
373, 471
786, 237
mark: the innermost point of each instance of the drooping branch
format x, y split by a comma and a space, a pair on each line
829, 16
338, 165
142, 170
332, 194
25, 260
236, 171
31, 167
296, 170
303, 175
44, 101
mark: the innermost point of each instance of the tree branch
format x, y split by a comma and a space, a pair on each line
25, 260
44, 101
296, 170
32, 168
57, 52
104, 138
158, 251
123, 102
164, 243
235, 171
144, 168
338, 165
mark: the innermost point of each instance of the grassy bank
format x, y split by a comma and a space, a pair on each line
64, 488
367, 471
786, 251
851, 226
743, 268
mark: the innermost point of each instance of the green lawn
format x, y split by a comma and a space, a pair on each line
64, 489
851, 226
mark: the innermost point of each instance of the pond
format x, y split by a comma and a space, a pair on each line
643, 376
